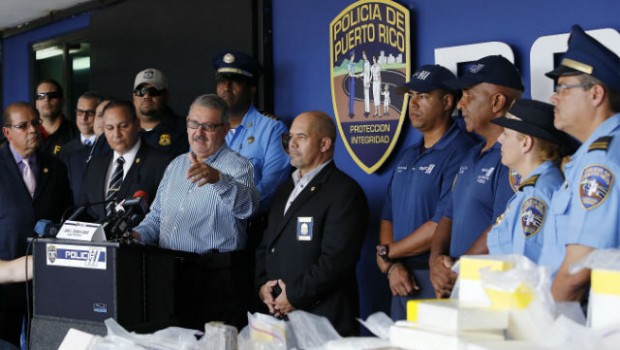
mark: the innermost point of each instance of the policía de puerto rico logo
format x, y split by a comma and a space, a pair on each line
370, 59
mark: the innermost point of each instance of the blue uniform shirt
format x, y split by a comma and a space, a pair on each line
480, 193
585, 209
420, 183
258, 138
519, 229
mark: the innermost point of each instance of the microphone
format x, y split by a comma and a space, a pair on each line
46, 229
126, 215
79, 209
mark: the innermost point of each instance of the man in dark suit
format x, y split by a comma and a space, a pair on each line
316, 226
142, 167
75, 153
33, 186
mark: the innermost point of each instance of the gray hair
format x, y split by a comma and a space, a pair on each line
214, 102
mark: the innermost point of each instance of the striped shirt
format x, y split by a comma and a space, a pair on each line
198, 219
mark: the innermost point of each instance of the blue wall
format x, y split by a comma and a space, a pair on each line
16, 51
302, 65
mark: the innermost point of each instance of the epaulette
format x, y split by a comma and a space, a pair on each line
531, 181
269, 115
600, 144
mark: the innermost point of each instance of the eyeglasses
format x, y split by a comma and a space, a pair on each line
50, 95
560, 87
24, 126
153, 92
210, 127
88, 112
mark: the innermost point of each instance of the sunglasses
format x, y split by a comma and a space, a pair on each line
50, 95
153, 92
24, 125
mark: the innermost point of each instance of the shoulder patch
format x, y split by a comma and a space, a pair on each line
530, 181
533, 212
596, 181
514, 178
269, 115
600, 144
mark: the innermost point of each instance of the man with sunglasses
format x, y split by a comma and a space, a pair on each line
75, 153
585, 209
56, 129
33, 186
161, 128
201, 206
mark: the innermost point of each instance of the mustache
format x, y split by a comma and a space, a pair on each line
199, 138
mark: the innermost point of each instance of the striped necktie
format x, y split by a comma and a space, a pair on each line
115, 185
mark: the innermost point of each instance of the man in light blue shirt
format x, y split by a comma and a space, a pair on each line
585, 208
201, 206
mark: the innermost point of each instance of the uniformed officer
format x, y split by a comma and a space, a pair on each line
420, 187
587, 106
531, 147
162, 129
252, 134
482, 187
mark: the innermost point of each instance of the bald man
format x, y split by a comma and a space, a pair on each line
317, 223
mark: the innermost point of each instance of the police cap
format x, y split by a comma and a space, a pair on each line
493, 69
586, 55
234, 64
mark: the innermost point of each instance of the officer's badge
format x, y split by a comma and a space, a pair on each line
164, 140
52, 253
229, 58
515, 179
596, 181
250, 139
532, 216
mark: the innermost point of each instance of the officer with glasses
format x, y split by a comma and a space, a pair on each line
585, 208
56, 129
33, 186
161, 128
201, 206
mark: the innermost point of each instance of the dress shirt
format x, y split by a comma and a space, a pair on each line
201, 219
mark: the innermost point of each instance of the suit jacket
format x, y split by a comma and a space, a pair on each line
74, 154
18, 211
319, 273
145, 174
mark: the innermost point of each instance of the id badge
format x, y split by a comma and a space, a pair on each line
304, 228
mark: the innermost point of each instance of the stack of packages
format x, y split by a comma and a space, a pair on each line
497, 306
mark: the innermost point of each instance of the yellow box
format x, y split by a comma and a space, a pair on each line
471, 265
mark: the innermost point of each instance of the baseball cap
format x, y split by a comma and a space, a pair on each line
494, 69
151, 76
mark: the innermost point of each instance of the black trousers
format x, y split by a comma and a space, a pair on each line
213, 287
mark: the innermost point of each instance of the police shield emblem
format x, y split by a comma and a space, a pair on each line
369, 48
596, 181
533, 212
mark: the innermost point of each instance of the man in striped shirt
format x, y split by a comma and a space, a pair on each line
201, 207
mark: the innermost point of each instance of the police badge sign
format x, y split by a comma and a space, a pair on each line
369, 47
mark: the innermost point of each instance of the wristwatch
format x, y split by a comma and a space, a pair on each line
384, 252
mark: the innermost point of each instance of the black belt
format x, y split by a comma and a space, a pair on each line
217, 260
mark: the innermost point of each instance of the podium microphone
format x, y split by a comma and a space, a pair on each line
46, 229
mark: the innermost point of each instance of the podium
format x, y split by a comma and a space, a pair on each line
80, 284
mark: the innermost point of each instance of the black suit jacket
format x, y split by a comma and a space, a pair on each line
18, 215
320, 273
145, 174
74, 154
18, 211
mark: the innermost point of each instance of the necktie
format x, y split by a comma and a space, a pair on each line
87, 143
115, 185
29, 178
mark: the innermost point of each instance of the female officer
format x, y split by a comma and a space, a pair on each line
531, 146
